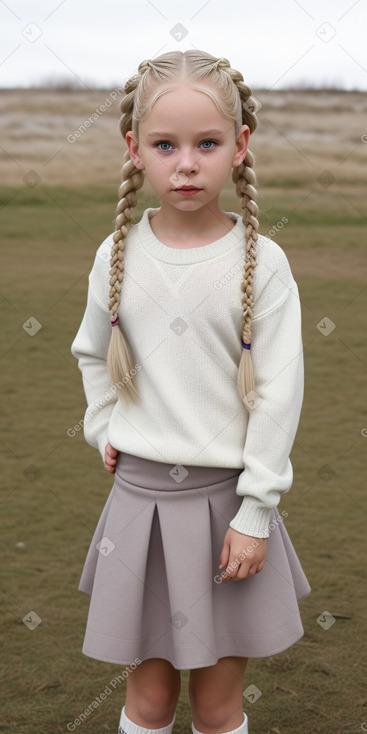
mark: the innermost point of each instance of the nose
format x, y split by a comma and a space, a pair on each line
188, 161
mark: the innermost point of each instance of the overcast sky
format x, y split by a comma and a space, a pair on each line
274, 43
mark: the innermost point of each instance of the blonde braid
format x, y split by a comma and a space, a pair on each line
119, 360
244, 178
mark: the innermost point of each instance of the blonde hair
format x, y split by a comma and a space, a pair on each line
234, 100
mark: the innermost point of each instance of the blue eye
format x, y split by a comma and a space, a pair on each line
207, 144
164, 145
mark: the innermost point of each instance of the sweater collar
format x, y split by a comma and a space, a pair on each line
183, 256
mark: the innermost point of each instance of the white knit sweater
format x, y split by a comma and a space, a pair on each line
181, 314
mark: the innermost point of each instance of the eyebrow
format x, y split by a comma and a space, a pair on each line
204, 134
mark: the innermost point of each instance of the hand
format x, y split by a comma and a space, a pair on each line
241, 556
110, 458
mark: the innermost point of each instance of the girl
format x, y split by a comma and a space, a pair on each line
194, 392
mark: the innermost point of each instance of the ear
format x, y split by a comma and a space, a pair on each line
133, 147
242, 142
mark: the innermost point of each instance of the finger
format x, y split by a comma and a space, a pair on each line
111, 450
110, 460
245, 571
226, 574
242, 573
109, 464
229, 571
224, 556
232, 570
109, 469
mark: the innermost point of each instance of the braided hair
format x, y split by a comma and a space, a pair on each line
234, 99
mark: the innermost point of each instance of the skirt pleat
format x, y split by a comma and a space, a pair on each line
152, 573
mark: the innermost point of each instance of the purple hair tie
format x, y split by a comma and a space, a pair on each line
246, 346
115, 321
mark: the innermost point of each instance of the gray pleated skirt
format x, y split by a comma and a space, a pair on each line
152, 572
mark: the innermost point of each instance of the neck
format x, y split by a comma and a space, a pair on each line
203, 226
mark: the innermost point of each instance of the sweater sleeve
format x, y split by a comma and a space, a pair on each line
277, 355
90, 348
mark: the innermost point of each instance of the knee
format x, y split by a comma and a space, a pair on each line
156, 703
210, 713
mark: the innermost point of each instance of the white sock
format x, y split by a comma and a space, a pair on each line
128, 727
243, 729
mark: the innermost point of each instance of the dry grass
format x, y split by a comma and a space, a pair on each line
53, 487
300, 134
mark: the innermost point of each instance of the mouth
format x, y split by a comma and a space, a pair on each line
188, 189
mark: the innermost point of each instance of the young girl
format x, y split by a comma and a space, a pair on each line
191, 355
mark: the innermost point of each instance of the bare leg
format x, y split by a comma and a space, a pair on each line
216, 696
152, 692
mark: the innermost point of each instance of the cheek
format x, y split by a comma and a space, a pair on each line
155, 163
225, 158
161, 170
157, 173
222, 167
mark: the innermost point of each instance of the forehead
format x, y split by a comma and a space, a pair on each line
185, 104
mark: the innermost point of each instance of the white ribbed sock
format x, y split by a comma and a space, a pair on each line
243, 729
128, 727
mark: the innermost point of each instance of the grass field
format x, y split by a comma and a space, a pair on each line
54, 487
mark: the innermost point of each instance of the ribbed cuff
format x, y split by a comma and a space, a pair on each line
128, 727
242, 729
252, 519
